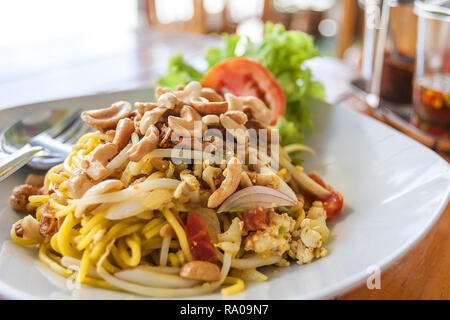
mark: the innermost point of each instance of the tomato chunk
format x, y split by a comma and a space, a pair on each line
335, 201
198, 238
244, 77
255, 219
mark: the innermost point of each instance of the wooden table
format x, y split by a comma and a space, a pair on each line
93, 63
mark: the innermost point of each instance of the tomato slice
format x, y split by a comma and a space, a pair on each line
198, 238
335, 201
255, 219
244, 77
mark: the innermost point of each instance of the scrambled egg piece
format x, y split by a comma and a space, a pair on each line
275, 239
306, 244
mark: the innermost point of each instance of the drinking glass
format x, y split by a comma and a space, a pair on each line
431, 88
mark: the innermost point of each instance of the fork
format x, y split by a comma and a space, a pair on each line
52, 145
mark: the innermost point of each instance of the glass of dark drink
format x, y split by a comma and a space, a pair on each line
431, 89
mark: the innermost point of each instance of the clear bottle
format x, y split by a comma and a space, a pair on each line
432, 77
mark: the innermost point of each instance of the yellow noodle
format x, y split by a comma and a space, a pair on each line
22, 241
49, 262
54, 242
56, 205
56, 178
173, 260
38, 199
99, 283
115, 252
39, 212
86, 239
64, 235
65, 211
96, 219
46, 178
111, 268
134, 243
181, 235
152, 223
153, 231
84, 265
118, 230
237, 285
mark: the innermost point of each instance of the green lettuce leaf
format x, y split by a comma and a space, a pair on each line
216, 55
179, 72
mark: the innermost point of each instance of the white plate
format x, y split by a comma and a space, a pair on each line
394, 189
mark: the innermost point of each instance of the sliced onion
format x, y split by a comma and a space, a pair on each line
103, 187
305, 182
70, 262
125, 209
118, 160
148, 277
256, 196
162, 292
299, 147
164, 269
130, 192
252, 261
284, 187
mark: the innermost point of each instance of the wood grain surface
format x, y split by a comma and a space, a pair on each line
93, 64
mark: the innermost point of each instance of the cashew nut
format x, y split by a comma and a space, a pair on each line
160, 91
239, 131
204, 107
245, 180
96, 171
169, 100
210, 175
150, 118
79, 183
211, 95
200, 270
103, 153
238, 116
143, 107
211, 119
258, 109
229, 185
124, 129
191, 91
147, 144
99, 157
186, 124
108, 117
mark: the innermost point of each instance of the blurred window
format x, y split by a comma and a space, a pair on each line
27, 22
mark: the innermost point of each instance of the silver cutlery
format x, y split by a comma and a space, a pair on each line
41, 140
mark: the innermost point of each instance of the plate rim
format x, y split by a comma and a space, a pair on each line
340, 288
